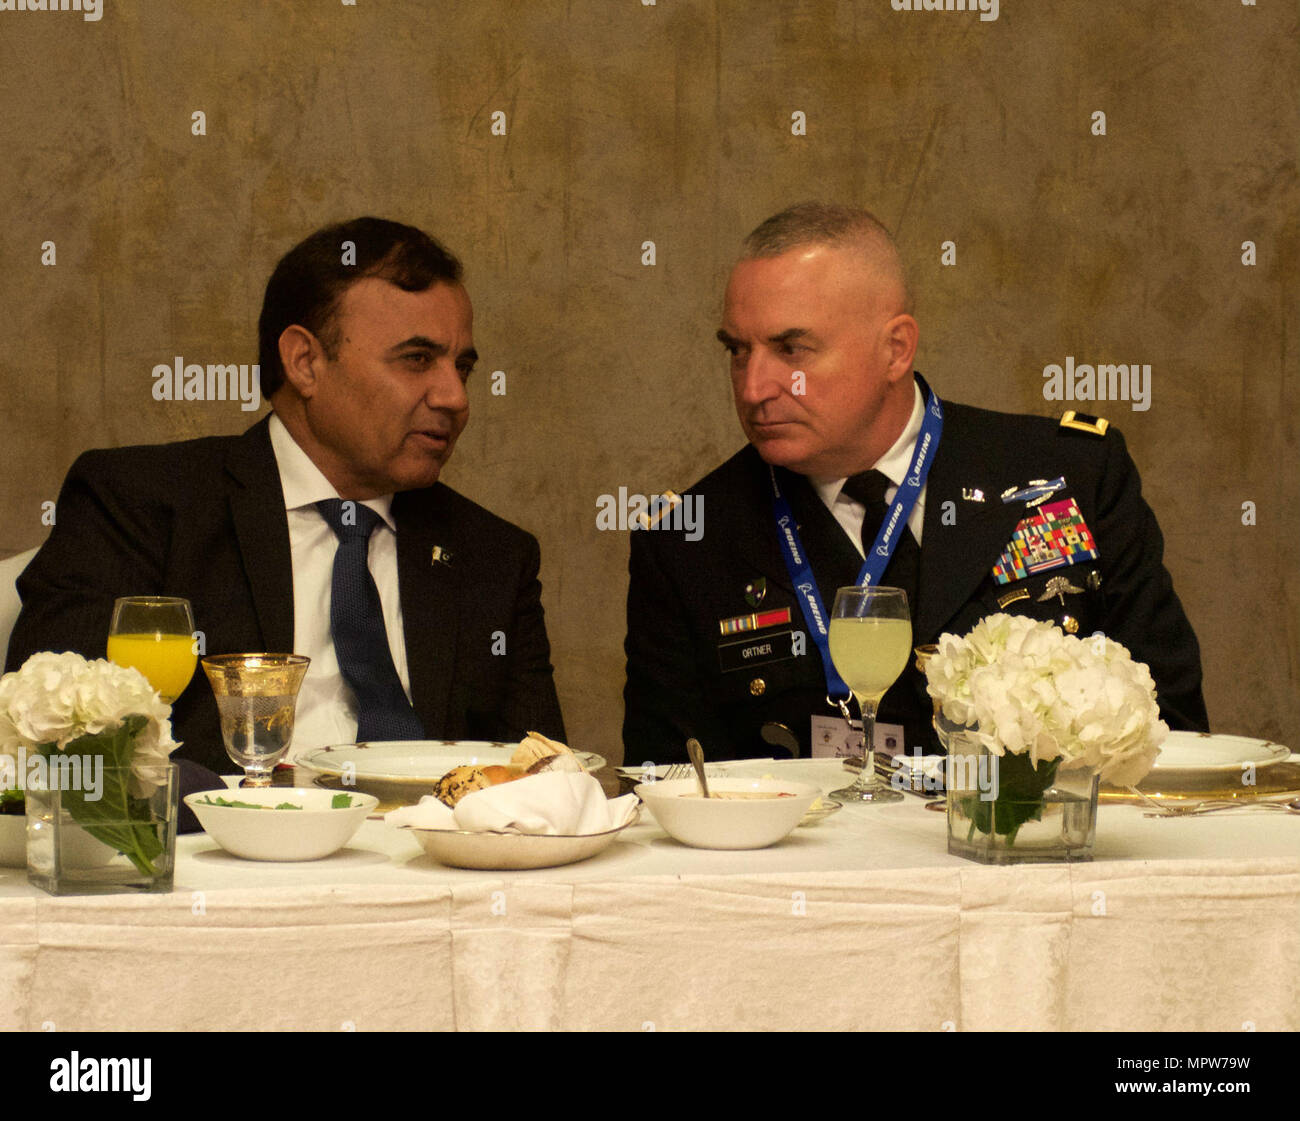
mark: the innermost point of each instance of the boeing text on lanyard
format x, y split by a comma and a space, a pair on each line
877, 559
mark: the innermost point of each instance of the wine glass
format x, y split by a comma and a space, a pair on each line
871, 638
257, 695
155, 634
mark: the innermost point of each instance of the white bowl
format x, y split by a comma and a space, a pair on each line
309, 833
723, 823
509, 851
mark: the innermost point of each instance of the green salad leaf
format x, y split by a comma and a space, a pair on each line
338, 802
238, 805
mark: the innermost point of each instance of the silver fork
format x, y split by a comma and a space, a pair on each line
1289, 806
678, 770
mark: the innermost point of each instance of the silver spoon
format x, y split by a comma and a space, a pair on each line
696, 752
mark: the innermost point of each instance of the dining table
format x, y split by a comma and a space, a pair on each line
862, 921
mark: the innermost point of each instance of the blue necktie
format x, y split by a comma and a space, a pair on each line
357, 624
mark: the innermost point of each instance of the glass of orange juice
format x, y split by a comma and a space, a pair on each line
155, 634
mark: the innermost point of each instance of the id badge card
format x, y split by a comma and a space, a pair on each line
832, 738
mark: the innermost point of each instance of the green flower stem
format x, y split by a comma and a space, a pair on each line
1021, 787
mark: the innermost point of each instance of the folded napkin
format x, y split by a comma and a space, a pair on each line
551, 803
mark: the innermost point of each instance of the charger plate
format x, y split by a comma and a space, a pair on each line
1199, 765
401, 772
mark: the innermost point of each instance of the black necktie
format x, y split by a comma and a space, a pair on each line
357, 624
903, 570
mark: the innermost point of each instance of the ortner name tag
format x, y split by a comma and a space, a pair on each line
773, 646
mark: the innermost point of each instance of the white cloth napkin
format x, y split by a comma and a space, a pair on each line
555, 804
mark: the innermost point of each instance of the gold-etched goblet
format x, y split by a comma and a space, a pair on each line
257, 695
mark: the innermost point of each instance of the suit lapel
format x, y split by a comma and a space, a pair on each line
262, 532
956, 557
430, 594
831, 555
834, 560
745, 526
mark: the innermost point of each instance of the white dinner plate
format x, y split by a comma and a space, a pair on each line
403, 771
508, 851
1187, 754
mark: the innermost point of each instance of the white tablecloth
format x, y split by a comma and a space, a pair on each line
864, 921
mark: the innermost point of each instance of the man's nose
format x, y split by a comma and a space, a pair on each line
446, 388
759, 378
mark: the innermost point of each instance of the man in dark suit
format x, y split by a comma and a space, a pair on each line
1018, 514
435, 631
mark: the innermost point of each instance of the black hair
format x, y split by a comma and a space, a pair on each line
310, 279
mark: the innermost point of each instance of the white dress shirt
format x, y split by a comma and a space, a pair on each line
327, 711
894, 465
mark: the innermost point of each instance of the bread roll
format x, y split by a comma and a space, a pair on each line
536, 750
458, 782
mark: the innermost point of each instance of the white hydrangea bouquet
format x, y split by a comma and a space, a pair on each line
97, 732
1043, 702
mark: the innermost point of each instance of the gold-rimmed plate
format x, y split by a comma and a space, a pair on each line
1188, 755
401, 772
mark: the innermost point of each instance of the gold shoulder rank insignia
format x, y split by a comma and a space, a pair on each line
1083, 423
660, 505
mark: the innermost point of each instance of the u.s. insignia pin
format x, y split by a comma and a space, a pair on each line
1058, 587
756, 592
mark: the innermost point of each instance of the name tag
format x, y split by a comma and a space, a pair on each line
777, 646
832, 738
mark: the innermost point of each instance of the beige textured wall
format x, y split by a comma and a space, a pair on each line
671, 122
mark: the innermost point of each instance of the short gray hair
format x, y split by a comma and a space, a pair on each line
833, 224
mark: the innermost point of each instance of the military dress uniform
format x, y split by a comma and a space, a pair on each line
1023, 515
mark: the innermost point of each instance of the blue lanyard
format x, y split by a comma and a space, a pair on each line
877, 558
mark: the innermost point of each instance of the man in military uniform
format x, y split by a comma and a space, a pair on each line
1017, 513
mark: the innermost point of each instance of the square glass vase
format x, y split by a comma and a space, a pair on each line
79, 844
1039, 815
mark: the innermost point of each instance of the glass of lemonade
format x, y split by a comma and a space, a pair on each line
257, 695
871, 640
155, 634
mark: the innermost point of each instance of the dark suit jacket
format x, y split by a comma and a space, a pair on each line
205, 519
680, 590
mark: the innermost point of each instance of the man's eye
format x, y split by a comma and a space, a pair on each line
417, 358
464, 372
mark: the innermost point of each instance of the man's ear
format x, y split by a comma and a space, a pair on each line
301, 355
901, 336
